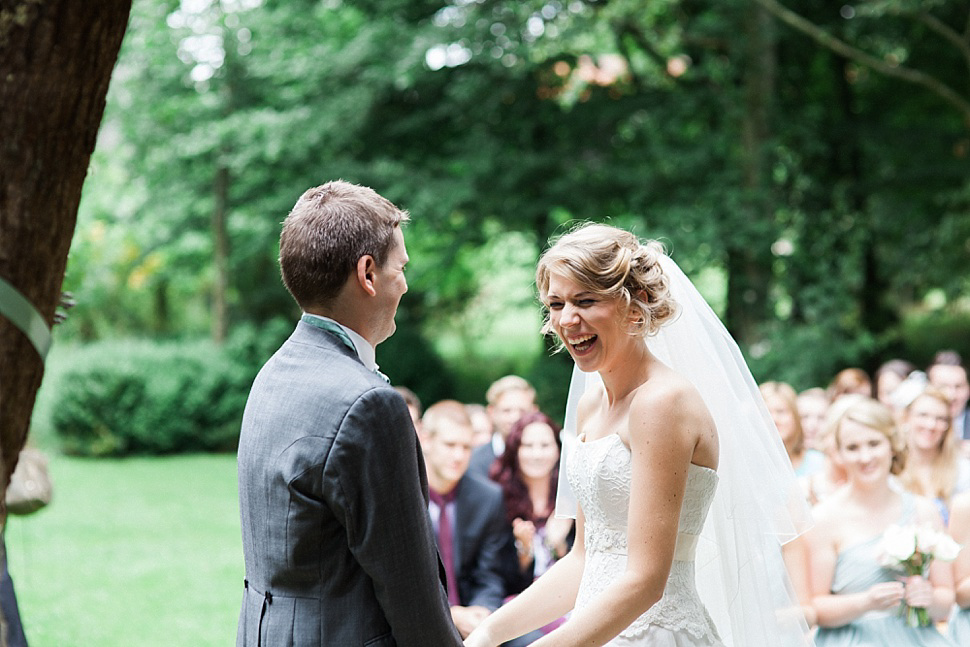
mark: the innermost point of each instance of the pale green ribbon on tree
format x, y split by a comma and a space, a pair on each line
22, 313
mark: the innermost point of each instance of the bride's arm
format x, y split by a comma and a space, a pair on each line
662, 436
548, 598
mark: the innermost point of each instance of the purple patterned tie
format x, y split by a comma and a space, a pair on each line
445, 542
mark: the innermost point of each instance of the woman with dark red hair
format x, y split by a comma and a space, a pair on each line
528, 473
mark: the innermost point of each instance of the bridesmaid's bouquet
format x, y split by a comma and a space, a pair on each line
910, 550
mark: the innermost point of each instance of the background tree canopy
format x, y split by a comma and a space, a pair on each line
822, 205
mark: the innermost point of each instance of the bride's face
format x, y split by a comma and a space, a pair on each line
590, 325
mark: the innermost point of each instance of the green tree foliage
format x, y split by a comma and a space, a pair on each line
816, 203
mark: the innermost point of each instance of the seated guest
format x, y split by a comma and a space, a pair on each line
822, 484
414, 405
509, 398
480, 423
949, 375
934, 466
528, 473
959, 625
812, 405
857, 599
890, 375
467, 515
780, 398
850, 380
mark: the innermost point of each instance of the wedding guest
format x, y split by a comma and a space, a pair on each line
949, 375
890, 375
856, 598
528, 473
509, 398
822, 484
934, 468
414, 405
467, 514
850, 380
481, 424
812, 405
780, 398
959, 625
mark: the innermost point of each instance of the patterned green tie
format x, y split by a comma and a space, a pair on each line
331, 327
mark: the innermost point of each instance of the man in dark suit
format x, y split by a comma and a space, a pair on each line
509, 398
333, 495
468, 515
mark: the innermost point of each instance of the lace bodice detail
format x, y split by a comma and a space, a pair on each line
599, 473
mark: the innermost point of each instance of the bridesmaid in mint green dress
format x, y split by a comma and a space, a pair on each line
960, 531
858, 600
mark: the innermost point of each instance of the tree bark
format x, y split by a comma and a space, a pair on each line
56, 58
749, 256
917, 77
220, 256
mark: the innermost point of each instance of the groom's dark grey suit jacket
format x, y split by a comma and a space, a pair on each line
333, 497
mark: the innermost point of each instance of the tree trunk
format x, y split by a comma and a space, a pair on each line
56, 58
749, 256
220, 256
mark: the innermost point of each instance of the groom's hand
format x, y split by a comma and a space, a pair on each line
468, 618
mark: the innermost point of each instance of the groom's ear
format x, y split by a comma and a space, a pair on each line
367, 274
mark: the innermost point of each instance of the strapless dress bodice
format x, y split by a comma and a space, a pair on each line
599, 473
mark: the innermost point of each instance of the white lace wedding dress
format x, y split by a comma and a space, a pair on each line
599, 474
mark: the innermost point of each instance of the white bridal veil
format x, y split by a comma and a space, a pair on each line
758, 506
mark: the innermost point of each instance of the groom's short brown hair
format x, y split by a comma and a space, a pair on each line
329, 229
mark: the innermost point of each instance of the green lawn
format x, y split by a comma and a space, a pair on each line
134, 552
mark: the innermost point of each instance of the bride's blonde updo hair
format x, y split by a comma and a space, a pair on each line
614, 264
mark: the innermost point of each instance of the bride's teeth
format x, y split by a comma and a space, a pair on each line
582, 344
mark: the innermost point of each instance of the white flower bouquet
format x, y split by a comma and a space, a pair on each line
911, 549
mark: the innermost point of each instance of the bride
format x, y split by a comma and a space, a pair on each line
682, 486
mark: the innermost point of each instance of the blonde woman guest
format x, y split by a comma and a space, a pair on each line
857, 600
959, 626
781, 400
812, 405
934, 468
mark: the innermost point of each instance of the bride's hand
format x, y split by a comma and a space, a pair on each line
479, 638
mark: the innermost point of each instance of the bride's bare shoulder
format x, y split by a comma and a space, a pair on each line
671, 393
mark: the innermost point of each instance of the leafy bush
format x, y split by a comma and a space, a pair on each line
144, 397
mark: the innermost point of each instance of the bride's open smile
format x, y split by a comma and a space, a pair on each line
585, 321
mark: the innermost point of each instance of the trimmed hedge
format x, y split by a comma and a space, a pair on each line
144, 397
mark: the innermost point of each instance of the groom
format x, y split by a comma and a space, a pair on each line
333, 492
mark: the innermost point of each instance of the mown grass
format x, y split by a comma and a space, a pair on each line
134, 552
